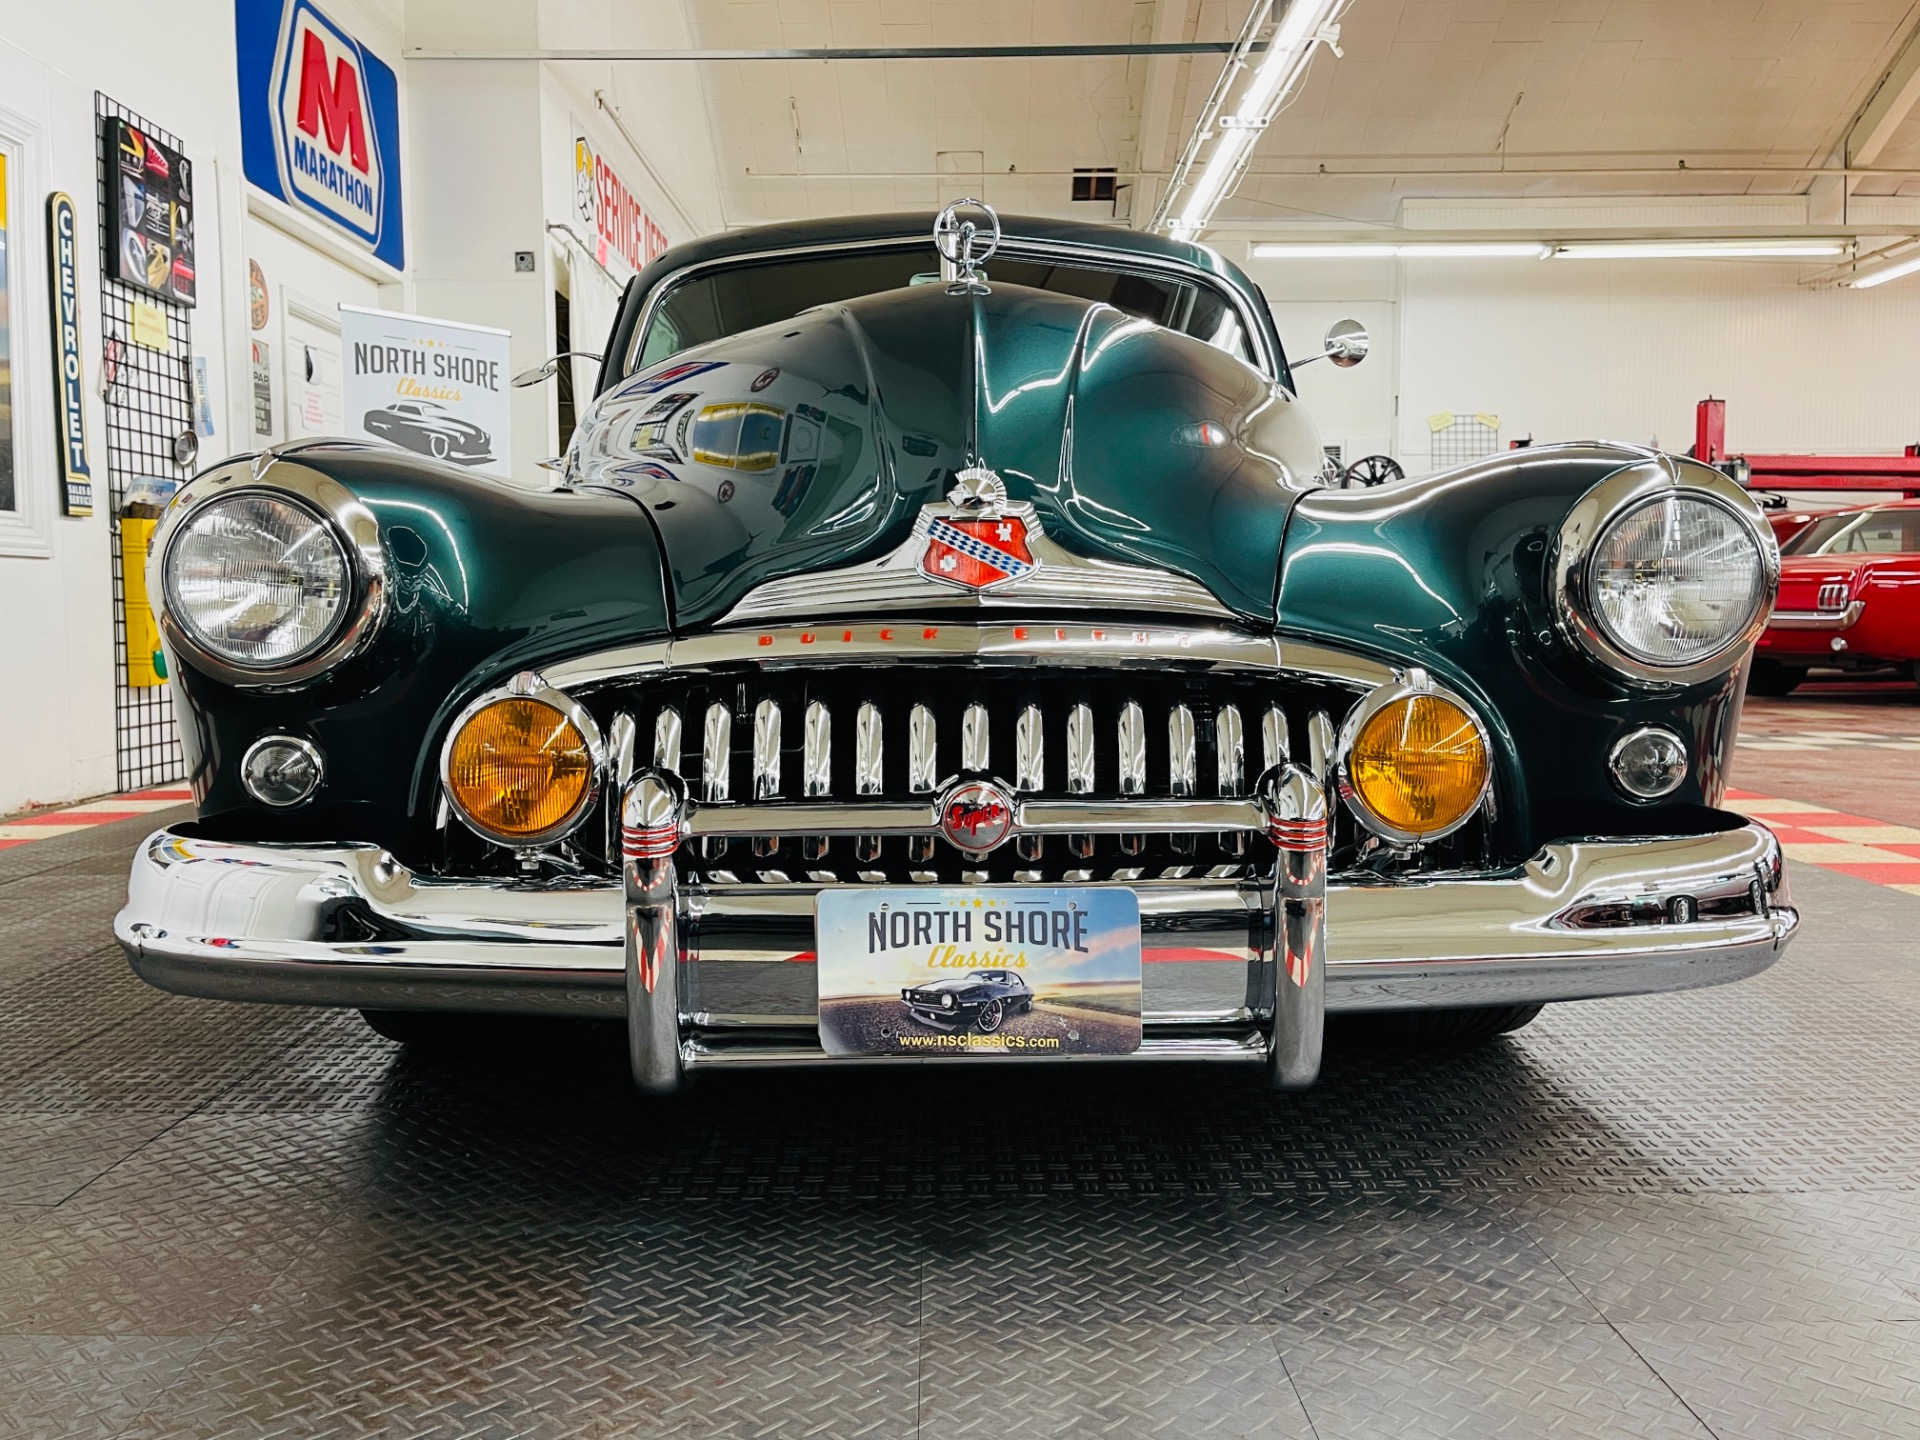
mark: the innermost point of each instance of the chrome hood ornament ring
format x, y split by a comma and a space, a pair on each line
966, 233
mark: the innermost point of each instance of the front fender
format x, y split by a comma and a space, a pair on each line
1453, 573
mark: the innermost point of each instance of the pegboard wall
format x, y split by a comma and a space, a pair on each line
149, 395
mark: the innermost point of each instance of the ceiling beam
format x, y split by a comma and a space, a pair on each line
603, 54
1170, 20
1889, 104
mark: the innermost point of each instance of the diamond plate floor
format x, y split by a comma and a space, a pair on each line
1696, 1215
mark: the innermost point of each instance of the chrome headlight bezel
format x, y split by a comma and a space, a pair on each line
350, 523
1593, 516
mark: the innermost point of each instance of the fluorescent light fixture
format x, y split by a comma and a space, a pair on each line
1880, 277
1285, 61
1699, 249
1423, 249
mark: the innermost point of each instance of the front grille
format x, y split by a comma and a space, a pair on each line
858, 735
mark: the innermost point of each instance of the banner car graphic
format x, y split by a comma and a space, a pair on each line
149, 229
435, 387
320, 121
1028, 971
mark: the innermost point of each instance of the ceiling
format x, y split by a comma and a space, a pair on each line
1516, 99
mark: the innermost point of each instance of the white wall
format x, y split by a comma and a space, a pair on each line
56, 615
1568, 350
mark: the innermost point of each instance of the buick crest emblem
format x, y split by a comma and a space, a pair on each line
966, 234
976, 816
977, 540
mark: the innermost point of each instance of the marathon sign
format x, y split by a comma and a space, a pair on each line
625, 236
320, 121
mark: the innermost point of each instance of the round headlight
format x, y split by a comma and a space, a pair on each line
521, 768
1415, 766
257, 581
1676, 579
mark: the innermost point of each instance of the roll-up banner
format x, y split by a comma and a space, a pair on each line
435, 387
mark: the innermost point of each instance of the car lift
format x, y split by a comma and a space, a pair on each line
1800, 472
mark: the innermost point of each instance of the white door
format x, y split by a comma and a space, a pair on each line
310, 347
1354, 407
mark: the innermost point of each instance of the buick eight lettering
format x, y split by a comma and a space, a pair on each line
996, 569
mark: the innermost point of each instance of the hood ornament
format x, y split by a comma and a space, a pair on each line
978, 539
958, 236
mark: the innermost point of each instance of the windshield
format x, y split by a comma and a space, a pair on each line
1865, 532
729, 300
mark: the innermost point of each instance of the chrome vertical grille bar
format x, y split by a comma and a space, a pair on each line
1230, 768
816, 768
666, 741
1273, 738
1133, 750
1183, 763
1029, 751
1230, 752
1080, 750
868, 750
716, 754
973, 738
816, 765
1080, 768
922, 752
1320, 744
1029, 768
766, 750
923, 772
1133, 765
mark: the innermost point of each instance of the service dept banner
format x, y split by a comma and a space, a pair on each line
435, 387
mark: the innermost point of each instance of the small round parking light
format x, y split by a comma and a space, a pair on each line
1649, 764
280, 770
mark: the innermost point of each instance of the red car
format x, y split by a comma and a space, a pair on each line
1849, 597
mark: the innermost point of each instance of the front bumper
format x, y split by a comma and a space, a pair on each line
350, 925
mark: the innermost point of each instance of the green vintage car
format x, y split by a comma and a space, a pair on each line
954, 560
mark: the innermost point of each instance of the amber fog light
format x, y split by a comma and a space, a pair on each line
522, 767
1415, 764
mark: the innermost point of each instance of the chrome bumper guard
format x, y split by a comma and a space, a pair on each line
711, 975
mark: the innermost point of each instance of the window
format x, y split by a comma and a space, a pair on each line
29, 468
731, 299
1867, 532
1094, 183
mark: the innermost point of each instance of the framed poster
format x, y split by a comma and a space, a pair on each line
149, 230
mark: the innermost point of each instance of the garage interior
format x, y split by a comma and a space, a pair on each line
1692, 1214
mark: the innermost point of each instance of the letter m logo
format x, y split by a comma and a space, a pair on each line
324, 129
332, 101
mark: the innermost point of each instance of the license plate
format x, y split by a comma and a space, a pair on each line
1027, 971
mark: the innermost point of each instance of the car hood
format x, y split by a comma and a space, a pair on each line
814, 444
955, 983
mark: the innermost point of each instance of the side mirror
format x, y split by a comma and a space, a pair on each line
1347, 343
550, 367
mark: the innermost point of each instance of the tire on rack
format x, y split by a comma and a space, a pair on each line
1428, 1029
1770, 677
